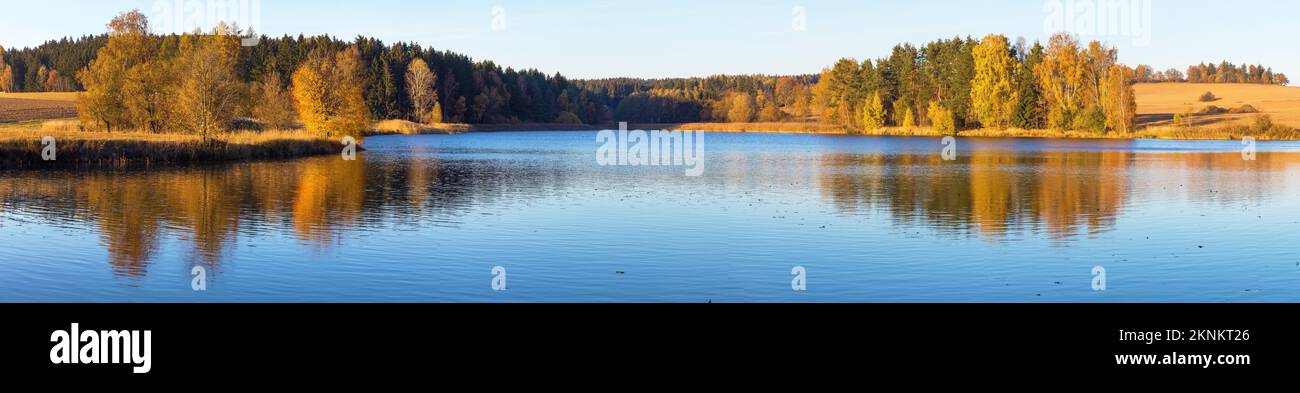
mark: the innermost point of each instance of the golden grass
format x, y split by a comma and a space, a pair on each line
52, 96
532, 127
20, 146
404, 127
1158, 102
774, 127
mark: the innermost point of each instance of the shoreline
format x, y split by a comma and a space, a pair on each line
21, 143
1160, 133
21, 147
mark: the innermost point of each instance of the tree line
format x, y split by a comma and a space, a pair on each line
961, 83
1224, 72
719, 98
130, 75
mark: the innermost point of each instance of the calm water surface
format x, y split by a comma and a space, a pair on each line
874, 219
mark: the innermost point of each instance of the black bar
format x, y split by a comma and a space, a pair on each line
302, 340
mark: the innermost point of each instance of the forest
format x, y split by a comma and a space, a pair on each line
134, 79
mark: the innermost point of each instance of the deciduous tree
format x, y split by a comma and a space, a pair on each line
872, 113
993, 92
6, 73
327, 93
209, 88
742, 108
420, 84
1118, 100
274, 105
103, 103
941, 118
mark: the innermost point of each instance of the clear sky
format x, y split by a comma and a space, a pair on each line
675, 38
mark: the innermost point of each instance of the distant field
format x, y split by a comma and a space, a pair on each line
15, 107
1158, 102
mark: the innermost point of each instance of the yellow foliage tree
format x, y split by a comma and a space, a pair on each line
742, 108
908, 118
993, 91
873, 113
103, 104
209, 89
274, 107
1118, 99
941, 118
419, 87
1061, 75
327, 93
6, 73
148, 97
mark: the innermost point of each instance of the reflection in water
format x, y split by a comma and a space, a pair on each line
318, 199
989, 193
1060, 194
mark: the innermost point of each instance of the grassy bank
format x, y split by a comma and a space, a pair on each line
1226, 132
403, 127
785, 128
20, 146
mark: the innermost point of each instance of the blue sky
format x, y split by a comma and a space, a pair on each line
674, 38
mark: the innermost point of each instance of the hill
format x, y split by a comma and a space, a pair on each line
1158, 102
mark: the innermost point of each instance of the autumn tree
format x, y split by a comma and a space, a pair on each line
1118, 101
768, 109
274, 105
148, 95
1071, 80
941, 119
6, 73
420, 84
742, 108
905, 117
103, 104
327, 93
209, 89
993, 92
872, 113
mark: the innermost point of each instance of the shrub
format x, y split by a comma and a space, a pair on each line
1208, 97
941, 118
1212, 110
1263, 123
1244, 109
1093, 120
567, 117
873, 113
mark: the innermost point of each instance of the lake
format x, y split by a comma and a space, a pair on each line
868, 219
